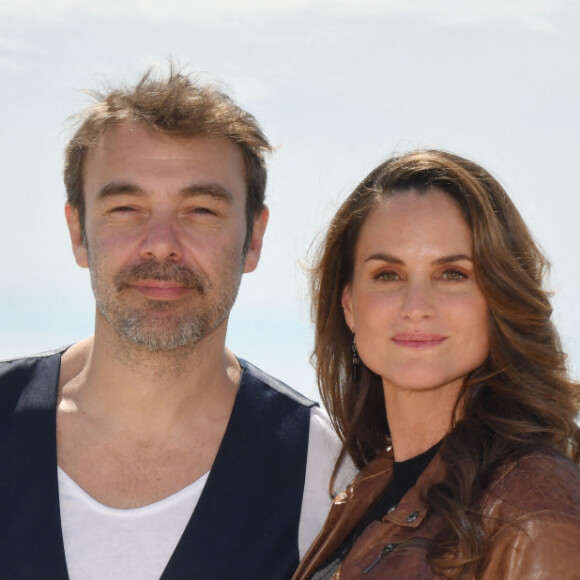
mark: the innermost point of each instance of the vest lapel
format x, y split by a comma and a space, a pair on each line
31, 544
245, 525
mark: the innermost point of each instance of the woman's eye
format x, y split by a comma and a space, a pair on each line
453, 275
387, 276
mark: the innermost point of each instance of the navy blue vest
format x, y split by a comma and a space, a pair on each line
245, 526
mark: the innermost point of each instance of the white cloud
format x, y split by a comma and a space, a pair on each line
538, 14
10, 46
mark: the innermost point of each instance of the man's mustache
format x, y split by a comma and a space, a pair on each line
165, 272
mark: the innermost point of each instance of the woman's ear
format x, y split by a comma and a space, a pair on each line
347, 307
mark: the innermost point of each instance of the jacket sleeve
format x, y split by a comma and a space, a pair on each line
543, 547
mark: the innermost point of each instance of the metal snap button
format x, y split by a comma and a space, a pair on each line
412, 517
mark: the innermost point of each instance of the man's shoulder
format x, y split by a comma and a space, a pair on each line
26, 362
256, 375
24, 380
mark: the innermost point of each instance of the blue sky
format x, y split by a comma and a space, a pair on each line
339, 86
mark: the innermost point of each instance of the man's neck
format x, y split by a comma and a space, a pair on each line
106, 372
153, 424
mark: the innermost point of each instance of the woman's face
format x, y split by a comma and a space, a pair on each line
420, 318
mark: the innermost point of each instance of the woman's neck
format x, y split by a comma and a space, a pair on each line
417, 419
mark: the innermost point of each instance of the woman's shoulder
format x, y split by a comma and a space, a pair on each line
369, 481
539, 483
532, 518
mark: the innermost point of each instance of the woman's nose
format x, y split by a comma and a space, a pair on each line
417, 301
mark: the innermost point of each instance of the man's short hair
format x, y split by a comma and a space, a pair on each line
178, 104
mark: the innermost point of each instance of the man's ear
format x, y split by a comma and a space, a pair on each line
347, 306
255, 247
74, 229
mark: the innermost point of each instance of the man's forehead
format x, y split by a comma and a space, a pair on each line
129, 133
134, 154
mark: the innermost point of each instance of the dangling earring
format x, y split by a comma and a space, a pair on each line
355, 358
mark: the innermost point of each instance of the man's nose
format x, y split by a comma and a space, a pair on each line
162, 241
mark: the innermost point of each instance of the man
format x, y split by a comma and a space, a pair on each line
175, 459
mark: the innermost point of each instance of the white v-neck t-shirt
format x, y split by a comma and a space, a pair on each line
103, 543
107, 543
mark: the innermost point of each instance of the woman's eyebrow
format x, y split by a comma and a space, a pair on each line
385, 258
438, 262
452, 258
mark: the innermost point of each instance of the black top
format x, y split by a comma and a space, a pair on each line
405, 475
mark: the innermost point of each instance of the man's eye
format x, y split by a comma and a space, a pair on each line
204, 211
123, 209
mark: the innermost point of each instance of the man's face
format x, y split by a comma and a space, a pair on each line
165, 227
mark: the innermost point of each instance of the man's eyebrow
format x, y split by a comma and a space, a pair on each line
439, 262
212, 189
118, 188
121, 187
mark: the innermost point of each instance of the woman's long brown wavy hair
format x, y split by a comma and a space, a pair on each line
520, 399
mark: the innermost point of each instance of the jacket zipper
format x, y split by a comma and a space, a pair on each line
387, 549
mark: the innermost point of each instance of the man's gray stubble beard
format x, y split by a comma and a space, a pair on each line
137, 326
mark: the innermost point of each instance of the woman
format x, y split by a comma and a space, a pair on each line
443, 374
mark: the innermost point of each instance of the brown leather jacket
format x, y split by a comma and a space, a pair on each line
532, 524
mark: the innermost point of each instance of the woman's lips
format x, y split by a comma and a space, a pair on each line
418, 341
